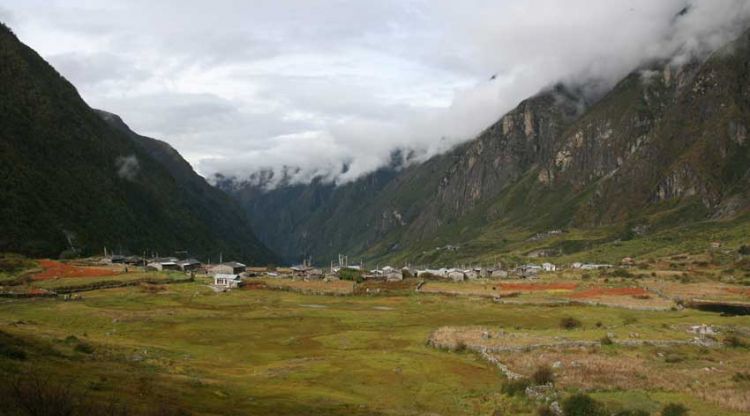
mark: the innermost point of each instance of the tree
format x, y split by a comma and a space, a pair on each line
543, 375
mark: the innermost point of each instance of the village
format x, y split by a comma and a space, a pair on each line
231, 274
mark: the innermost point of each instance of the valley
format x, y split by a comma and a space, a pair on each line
377, 208
629, 338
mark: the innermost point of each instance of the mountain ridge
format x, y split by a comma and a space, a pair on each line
665, 138
72, 182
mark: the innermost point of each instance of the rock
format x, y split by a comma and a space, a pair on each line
557, 364
544, 393
556, 408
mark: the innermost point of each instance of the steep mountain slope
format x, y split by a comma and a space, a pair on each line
410, 204
68, 178
666, 148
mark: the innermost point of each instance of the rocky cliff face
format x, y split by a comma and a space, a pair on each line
411, 203
664, 135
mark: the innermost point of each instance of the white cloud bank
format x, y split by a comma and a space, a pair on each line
313, 86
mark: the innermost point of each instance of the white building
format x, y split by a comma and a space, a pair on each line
549, 267
226, 280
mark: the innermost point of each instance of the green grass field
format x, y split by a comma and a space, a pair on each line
277, 352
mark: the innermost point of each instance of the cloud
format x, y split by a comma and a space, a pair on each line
6, 16
127, 167
92, 69
330, 89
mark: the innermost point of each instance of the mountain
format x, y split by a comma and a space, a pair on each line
663, 159
76, 178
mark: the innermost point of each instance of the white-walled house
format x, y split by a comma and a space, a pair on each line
226, 280
549, 267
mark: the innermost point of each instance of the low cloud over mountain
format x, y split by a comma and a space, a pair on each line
331, 89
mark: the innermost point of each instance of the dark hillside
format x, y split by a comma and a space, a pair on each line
68, 179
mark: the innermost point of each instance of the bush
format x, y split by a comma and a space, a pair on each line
406, 274
544, 411
744, 250
543, 375
14, 353
741, 377
743, 264
622, 273
84, 347
629, 320
582, 405
674, 409
606, 340
13, 263
351, 274
734, 341
674, 358
569, 323
515, 387
152, 288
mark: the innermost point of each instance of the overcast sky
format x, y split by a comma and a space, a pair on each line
239, 86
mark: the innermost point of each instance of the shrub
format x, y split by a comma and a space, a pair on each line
14, 353
544, 411
629, 320
606, 340
569, 323
622, 273
543, 375
351, 274
674, 358
84, 347
35, 395
674, 409
744, 250
12, 263
734, 341
405, 273
741, 377
515, 387
743, 264
582, 405
152, 288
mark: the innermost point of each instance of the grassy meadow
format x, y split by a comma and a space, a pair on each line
184, 349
